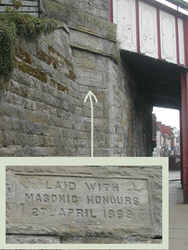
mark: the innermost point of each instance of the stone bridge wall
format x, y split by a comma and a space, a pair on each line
42, 110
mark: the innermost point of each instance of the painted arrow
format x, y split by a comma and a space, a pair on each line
89, 96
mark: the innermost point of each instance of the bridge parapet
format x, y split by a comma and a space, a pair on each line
146, 27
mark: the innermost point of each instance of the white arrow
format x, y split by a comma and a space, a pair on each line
90, 95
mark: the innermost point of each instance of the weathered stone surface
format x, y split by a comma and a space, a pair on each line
43, 113
94, 44
25, 239
89, 203
77, 17
95, 7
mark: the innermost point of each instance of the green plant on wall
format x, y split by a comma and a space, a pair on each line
7, 39
14, 25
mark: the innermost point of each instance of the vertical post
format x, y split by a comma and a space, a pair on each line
111, 11
181, 149
158, 34
185, 31
137, 27
184, 132
38, 8
177, 41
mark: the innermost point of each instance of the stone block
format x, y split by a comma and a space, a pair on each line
95, 7
86, 41
95, 79
20, 239
84, 203
65, 11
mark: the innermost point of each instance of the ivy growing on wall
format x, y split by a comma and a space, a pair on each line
13, 25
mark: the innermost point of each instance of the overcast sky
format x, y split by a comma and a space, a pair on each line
167, 116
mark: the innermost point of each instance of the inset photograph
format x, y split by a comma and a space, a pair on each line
101, 204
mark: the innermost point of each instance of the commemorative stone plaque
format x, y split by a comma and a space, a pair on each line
79, 201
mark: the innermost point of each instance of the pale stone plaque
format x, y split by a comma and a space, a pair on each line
79, 201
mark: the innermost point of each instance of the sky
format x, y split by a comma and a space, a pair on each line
167, 116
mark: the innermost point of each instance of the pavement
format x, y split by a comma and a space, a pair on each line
178, 214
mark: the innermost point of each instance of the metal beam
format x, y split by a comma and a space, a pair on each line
184, 132
179, 3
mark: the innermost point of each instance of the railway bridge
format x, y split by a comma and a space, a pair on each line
153, 40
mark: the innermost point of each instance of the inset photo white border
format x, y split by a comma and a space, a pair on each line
85, 161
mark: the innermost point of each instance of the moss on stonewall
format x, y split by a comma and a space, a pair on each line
71, 75
23, 55
14, 25
7, 39
26, 68
59, 86
47, 58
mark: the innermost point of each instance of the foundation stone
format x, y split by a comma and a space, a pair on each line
84, 203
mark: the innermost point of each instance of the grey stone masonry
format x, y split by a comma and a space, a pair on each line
42, 110
68, 12
83, 204
96, 8
38, 103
